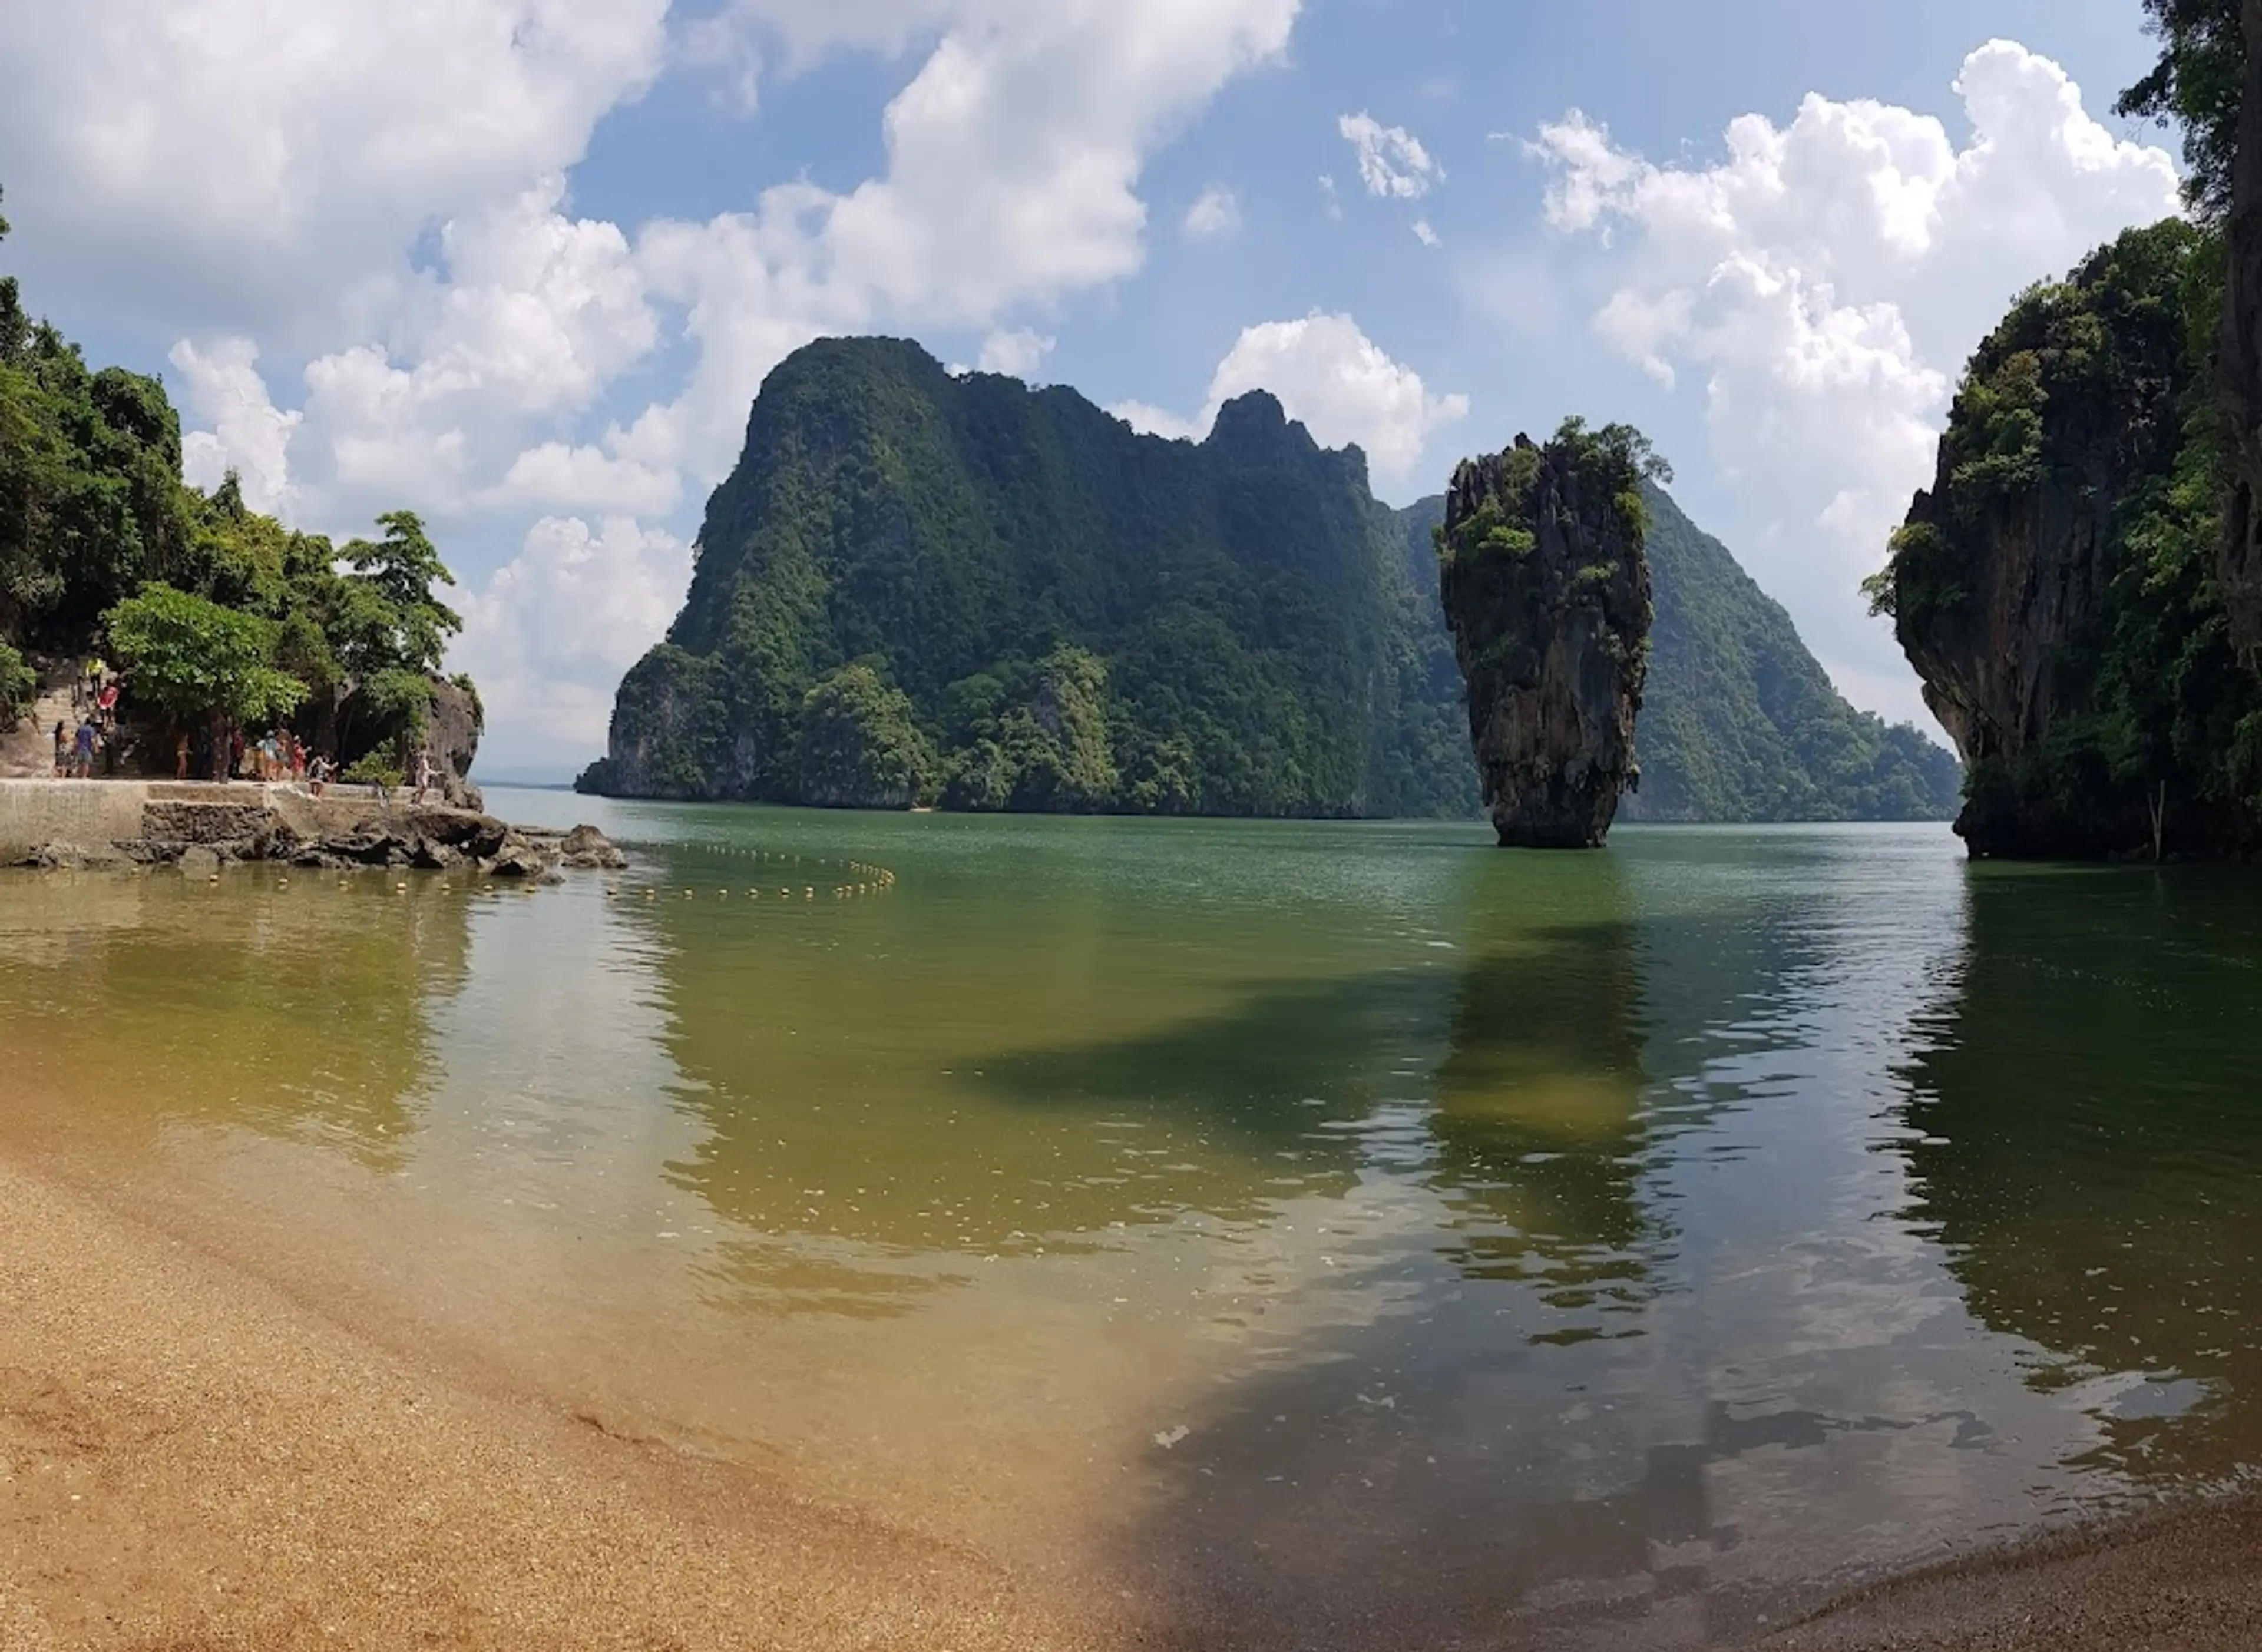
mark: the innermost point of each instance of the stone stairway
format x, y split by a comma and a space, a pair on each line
27, 752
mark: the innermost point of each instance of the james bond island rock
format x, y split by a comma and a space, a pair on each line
2059, 588
1546, 591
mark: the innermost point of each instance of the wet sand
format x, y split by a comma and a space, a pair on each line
190, 1460
2185, 1581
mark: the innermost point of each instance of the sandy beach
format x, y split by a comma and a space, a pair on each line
192, 1460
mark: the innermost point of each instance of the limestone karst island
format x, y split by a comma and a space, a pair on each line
1259, 827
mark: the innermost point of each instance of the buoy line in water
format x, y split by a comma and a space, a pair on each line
868, 880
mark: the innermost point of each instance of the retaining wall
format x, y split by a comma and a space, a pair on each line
93, 813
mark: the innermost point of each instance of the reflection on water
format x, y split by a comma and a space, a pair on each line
284, 1010
2092, 1151
1334, 1234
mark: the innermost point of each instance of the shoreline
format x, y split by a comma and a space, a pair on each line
190, 1458
122, 824
173, 1427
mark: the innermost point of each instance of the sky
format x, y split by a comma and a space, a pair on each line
521, 265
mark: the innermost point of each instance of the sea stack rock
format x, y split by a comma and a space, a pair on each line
1546, 590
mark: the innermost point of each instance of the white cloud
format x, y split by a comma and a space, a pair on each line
1017, 355
1151, 420
249, 435
370, 204
1327, 193
236, 166
1214, 216
1050, 107
1338, 382
1825, 280
553, 630
1424, 233
1391, 160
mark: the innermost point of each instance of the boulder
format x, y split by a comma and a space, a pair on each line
587, 849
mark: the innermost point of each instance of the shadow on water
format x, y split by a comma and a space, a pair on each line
302, 1011
2091, 1157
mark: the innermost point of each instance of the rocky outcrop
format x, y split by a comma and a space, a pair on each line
2238, 361
202, 835
452, 736
1547, 593
2052, 593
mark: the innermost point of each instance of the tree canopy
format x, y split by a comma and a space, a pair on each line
2196, 85
94, 517
193, 659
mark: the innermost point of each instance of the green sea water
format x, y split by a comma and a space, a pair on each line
1323, 1227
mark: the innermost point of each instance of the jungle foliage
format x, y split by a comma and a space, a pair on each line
212, 605
968, 591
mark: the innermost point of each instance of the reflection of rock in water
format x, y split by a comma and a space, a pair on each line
2091, 1150
1537, 1118
301, 1010
1441, 1476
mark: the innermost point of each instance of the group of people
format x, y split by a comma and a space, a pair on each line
279, 756
94, 698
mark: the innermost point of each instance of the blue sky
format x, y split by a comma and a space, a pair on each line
521, 265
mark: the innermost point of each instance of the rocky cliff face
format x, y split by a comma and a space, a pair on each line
1547, 594
962, 590
2057, 587
2238, 362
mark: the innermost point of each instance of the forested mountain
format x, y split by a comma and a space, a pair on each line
916, 585
962, 590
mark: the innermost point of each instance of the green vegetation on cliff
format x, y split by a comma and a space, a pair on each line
967, 590
1003, 599
1546, 593
2059, 587
212, 605
1739, 721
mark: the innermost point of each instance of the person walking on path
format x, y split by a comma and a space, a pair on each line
180, 756
62, 750
83, 754
424, 774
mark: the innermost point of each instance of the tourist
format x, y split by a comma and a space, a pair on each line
424, 774
105, 703
297, 750
235, 753
82, 757
62, 750
180, 756
318, 773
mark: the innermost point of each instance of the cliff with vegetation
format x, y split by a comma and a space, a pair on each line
2059, 587
1739, 721
222, 616
921, 587
963, 592
1547, 596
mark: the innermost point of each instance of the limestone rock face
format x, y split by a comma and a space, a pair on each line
2238, 362
1547, 593
2018, 581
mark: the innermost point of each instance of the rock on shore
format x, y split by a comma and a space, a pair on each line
198, 835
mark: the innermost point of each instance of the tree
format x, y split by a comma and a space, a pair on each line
392, 619
19, 687
2196, 85
194, 659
